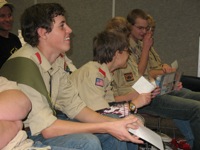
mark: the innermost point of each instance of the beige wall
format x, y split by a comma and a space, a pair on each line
177, 31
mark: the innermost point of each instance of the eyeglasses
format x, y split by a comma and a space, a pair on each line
142, 28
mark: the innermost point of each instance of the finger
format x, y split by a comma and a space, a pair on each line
164, 70
130, 119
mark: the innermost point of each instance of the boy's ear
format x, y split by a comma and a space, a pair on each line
42, 32
117, 53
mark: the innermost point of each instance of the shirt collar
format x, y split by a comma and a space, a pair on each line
41, 60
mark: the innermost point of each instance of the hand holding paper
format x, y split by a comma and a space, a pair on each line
174, 64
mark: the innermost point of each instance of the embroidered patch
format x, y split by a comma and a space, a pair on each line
129, 77
99, 82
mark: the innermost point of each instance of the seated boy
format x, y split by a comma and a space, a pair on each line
94, 79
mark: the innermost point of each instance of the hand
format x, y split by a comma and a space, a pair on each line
119, 129
147, 41
155, 92
168, 69
142, 100
140, 120
178, 86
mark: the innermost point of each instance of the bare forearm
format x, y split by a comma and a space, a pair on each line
96, 123
8, 130
63, 127
16, 101
143, 62
155, 73
126, 97
92, 117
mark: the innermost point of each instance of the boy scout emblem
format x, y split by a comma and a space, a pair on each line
128, 77
99, 82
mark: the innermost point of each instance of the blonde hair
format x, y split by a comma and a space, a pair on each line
119, 24
151, 22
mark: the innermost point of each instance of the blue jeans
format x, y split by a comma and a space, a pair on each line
70, 142
182, 105
118, 145
185, 128
83, 141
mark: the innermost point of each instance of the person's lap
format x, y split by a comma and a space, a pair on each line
186, 93
182, 106
84, 141
70, 142
115, 144
172, 106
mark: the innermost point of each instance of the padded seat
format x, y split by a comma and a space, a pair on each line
191, 82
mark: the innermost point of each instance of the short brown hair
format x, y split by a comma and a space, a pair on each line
136, 13
106, 43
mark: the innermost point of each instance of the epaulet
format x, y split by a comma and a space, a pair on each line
102, 72
38, 57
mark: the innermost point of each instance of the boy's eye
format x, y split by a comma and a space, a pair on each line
4, 16
62, 25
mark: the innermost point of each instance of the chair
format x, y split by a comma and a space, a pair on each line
191, 82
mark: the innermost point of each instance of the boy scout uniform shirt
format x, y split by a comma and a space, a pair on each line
69, 67
93, 81
154, 59
7, 85
124, 78
64, 95
136, 49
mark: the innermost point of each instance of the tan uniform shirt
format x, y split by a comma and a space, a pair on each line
70, 67
93, 82
63, 94
125, 78
7, 85
154, 61
136, 49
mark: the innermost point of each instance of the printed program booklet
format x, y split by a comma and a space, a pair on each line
168, 81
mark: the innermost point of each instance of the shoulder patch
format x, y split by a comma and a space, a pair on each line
99, 82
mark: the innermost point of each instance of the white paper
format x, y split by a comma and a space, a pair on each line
142, 85
174, 64
149, 136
